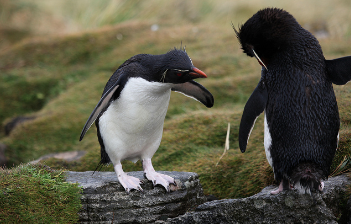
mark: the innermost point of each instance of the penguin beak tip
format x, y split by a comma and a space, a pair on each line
197, 73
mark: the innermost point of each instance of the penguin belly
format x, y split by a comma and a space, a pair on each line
132, 126
267, 141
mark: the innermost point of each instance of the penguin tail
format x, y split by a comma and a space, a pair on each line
105, 159
307, 178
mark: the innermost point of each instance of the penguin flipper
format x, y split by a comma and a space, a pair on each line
339, 70
253, 108
196, 91
105, 99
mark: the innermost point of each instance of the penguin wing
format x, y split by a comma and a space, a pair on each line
253, 108
339, 70
102, 104
196, 91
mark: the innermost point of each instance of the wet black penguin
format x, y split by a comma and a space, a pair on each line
301, 119
130, 114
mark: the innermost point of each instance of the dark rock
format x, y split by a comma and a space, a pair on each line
15, 122
287, 207
334, 193
346, 213
104, 200
3, 159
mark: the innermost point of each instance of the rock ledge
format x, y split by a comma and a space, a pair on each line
287, 207
104, 199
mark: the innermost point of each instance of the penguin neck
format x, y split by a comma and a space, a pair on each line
149, 88
143, 97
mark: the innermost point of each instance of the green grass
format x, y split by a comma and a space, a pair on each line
59, 77
37, 194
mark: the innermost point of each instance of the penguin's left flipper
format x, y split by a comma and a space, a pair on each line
339, 70
195, 90
253, 108
104, 101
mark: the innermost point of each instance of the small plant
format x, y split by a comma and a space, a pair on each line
343, 167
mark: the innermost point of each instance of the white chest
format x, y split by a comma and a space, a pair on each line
133, 124
141, 105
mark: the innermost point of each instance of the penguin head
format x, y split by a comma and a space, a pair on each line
177, 67
267, 33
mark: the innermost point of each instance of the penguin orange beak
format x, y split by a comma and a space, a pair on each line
197, 73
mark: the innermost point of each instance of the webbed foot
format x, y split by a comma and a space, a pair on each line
128, 182
157, 178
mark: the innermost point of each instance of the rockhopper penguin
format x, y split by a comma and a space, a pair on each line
130, 114
301, 119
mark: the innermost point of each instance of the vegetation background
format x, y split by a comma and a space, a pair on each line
57, 55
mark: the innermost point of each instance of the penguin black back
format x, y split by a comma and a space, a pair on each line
296, 93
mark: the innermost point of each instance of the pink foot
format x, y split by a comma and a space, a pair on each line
280, 189
156, 178
128, 182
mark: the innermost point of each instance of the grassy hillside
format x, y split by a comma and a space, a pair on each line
59, 77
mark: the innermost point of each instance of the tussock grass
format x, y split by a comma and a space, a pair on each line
59, 78
37, 194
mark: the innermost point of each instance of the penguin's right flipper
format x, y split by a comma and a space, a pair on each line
339, 70
103, 102
196, 91
253, 108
